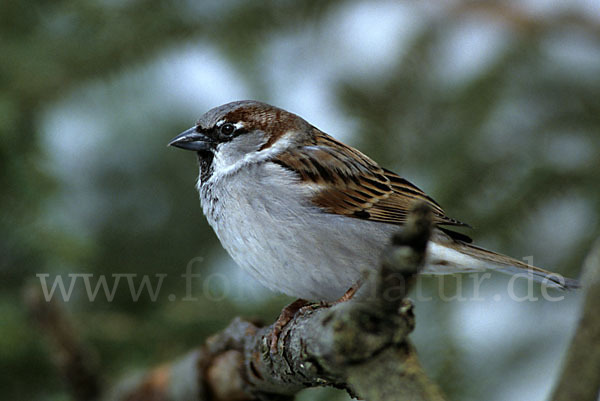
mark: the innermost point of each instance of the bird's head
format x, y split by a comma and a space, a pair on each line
242, 132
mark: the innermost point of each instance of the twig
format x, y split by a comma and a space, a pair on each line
72, 358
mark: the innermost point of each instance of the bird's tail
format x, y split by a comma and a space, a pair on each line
465, 257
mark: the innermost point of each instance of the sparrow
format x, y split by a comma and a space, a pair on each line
305, 214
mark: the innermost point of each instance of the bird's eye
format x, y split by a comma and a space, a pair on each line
227, 129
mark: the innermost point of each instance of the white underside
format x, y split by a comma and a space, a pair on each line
445, 260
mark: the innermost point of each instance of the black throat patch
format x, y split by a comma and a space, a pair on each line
205, 161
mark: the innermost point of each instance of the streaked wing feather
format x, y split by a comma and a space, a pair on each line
355, 186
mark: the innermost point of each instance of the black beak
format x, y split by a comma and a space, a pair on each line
192, 140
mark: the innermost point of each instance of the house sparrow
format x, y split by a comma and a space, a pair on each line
305, 213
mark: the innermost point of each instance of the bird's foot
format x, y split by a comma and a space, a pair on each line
348, 295
300, 306
284, 318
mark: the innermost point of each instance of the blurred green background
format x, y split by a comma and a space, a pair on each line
492, 108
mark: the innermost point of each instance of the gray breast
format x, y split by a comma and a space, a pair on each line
269, 227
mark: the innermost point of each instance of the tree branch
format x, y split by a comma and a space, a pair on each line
360, 346
580, 378
73, 359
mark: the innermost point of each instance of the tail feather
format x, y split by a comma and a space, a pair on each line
467, 257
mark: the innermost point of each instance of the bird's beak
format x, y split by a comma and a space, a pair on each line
192, 140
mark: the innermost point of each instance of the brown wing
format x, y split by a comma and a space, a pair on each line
351, 184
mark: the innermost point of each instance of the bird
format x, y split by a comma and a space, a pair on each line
306, 214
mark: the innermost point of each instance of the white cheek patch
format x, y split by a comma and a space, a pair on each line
280, 144
224, 165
